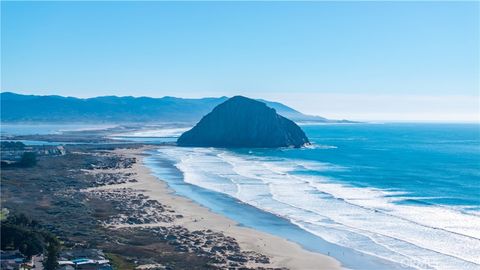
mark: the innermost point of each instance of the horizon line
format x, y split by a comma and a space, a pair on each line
331, 117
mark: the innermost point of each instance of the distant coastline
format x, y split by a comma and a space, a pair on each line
113, 109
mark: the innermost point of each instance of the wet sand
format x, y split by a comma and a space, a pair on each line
281, 252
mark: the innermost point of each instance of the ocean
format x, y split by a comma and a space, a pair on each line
371, 195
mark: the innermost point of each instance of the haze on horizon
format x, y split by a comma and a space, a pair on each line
341, 60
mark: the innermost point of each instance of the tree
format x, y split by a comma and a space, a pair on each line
33, 244
29, 159
28, 236
52, 255
27, 240
12, 145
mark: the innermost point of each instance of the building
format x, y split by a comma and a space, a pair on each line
84, 259
11, 259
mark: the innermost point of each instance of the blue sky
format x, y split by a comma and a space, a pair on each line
362, 60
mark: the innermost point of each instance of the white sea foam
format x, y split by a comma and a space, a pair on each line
87, 128
153, 133
319, 146
365, 219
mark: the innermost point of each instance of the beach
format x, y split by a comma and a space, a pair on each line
361, 198
369, 201
282, 253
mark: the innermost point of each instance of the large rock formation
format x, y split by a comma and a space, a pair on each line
244, 122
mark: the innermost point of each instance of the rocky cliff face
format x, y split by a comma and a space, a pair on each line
244, 122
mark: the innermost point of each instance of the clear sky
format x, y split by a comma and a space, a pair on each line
355, 60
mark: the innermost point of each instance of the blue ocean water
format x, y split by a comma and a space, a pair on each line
41, 129
374, 196
406, 193
437, 163
433, 163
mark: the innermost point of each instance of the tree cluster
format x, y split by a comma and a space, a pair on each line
8, 145
28, 236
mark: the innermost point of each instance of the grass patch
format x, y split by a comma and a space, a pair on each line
3, 214
119, 263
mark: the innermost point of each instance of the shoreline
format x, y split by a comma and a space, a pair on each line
282, 253
249, 216
115, 215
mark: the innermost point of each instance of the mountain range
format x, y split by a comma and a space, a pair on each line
113, 109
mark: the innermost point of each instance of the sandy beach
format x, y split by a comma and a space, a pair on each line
282, 253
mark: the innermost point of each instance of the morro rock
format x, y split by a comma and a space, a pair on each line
244, 122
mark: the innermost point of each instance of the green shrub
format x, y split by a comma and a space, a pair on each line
29, 159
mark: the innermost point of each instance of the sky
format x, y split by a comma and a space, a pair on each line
402, 61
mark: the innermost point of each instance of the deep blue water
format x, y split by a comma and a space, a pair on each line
407, 193
439, 162
363, 193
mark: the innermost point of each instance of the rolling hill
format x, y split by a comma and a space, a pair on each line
113, 109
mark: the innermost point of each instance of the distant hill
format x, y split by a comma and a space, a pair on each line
244, 122
113, 109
